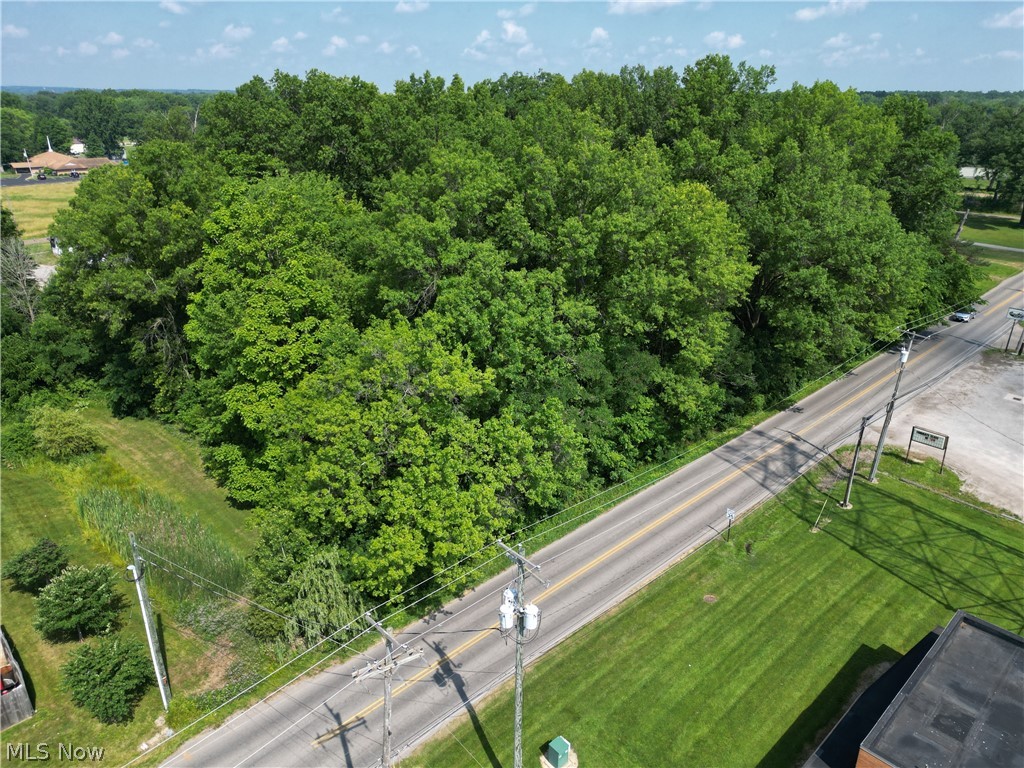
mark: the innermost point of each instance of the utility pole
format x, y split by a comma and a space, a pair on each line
147, 620
889, 408
386, 667
853, 467
514, 609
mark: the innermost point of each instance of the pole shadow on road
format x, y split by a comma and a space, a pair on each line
445, 676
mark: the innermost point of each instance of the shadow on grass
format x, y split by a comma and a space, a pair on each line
840, 747
826, 706
952, 563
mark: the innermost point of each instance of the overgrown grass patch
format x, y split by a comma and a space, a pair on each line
751, 678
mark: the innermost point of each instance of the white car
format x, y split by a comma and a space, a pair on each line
964, 315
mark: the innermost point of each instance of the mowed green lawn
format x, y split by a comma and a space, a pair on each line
994, 230
754, 677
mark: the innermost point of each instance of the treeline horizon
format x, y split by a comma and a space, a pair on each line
404, 324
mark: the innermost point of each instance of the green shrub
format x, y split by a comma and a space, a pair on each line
61, 434
17, 443
81, 601
37, 566
108, 677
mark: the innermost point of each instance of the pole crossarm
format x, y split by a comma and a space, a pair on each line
528, 567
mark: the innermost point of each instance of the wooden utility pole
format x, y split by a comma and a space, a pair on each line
889, 408
386, 667
522, 567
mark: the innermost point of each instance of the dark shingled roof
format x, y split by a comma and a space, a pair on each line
964, 705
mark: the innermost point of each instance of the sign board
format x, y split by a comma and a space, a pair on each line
1015, 314
730, 515
934, 439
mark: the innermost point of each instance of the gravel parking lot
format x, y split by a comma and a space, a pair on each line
981, 408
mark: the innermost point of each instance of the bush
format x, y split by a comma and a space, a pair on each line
37, 566
79, 602
108, 677
61, 434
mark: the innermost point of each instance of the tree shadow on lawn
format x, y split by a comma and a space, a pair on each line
948, 561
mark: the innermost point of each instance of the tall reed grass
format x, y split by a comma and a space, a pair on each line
162, 526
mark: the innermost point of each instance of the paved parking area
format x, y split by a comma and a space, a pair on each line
981, 408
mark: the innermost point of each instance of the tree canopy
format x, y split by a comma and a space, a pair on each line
403, 324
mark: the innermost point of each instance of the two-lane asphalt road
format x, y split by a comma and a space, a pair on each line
329, 719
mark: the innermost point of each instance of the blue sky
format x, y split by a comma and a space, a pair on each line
880, 45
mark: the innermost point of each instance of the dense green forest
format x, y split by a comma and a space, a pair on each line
403, 324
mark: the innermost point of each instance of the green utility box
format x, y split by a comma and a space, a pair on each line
558, 752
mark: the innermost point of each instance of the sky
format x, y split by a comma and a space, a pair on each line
175, 44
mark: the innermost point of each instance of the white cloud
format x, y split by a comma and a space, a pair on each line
1009, 55
173, 7
853, 54
299, 36
336, 15
621, 7
483, 37
832, 8
518, 13
120, 53
474, 54
217, 51
281, 45
512, 32
411, 6
598, 36
842, 40
236, 34
386, 48
362, 39
336, 44
1012, 20
87, 49
876, 36
414, 51
112, 38
723, 41
12, 31
144, 43
529, 51
765, 53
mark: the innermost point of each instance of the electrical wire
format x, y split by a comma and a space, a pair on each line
857, 356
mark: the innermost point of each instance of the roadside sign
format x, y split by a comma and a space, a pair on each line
1015, 314
730, 515
934, 439
927, 437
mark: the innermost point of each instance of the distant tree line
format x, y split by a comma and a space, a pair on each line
402, 324
102, 120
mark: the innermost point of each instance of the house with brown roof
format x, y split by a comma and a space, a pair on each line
59, 163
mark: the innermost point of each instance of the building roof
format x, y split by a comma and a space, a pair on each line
60, 163
964, 705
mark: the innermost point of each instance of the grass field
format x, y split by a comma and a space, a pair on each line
35, 204
994, 230
38, 500
753, 678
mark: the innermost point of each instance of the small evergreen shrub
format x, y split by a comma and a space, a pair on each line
108, 677
79, 602
37, 566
